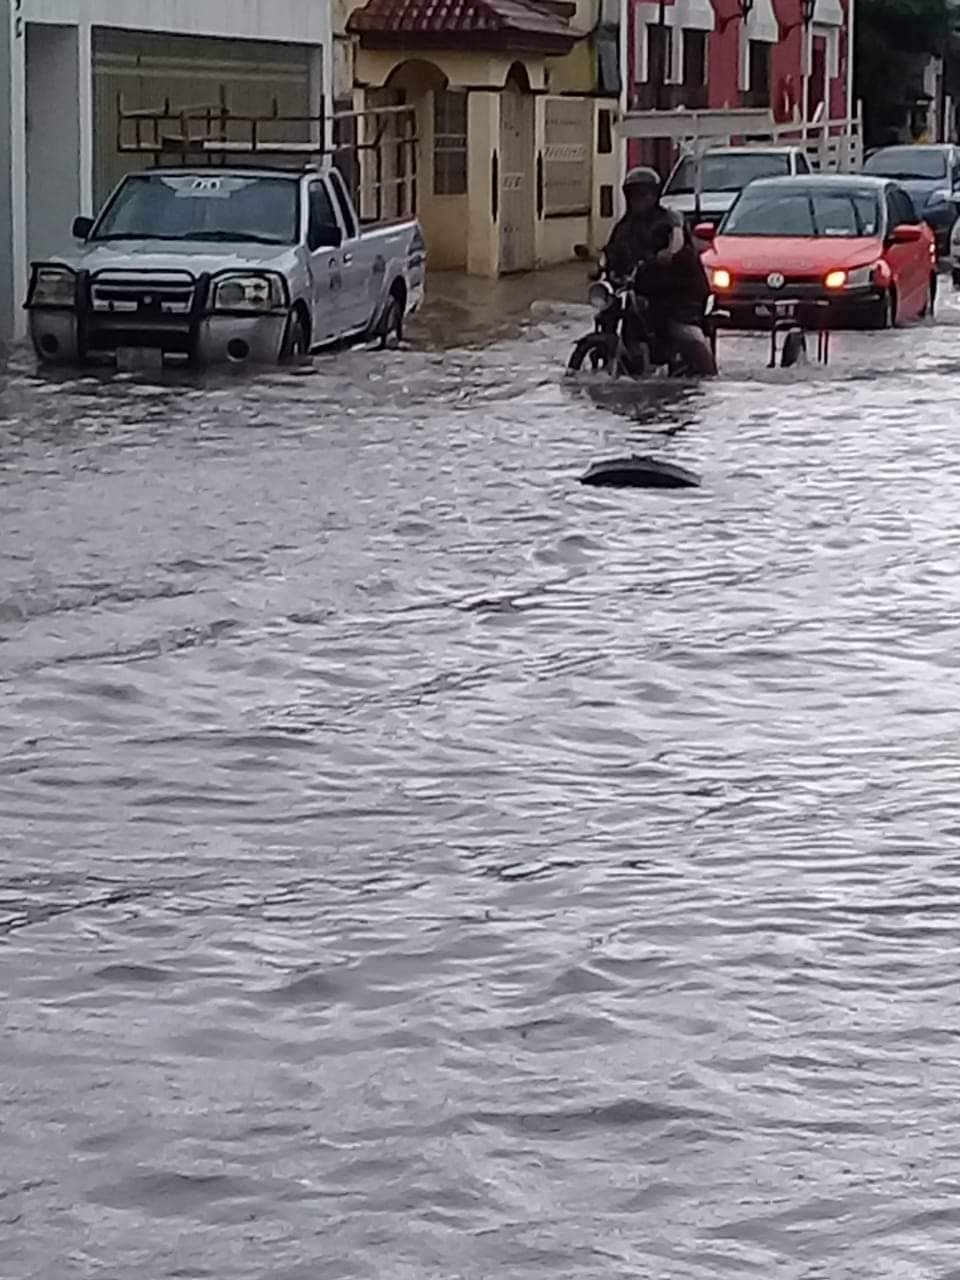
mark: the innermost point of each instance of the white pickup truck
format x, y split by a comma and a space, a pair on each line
723, 173
225, 265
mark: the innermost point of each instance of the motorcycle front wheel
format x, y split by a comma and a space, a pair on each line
597, 353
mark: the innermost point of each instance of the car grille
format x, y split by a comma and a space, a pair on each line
792, 287
164, 295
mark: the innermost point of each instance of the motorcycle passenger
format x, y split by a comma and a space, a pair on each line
674, 281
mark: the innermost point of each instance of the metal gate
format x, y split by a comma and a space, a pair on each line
517, 186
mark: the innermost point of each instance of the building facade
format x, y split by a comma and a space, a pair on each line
67, 65
792, 57
515, 111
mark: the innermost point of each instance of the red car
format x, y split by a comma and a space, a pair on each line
845, 247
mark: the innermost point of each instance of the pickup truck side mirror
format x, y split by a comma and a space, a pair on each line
324, 235
81, 228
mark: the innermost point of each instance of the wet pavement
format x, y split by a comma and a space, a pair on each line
416, 864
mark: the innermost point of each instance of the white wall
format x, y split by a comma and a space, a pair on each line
299, 21
7, 304
54, 194
23, 231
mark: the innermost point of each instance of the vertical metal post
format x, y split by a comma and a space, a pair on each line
851, 7
807, 72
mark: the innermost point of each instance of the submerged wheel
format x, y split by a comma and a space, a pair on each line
295, 345
596, 353
391, 326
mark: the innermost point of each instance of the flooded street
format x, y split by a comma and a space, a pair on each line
418, 866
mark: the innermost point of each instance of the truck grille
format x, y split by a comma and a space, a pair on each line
142, 293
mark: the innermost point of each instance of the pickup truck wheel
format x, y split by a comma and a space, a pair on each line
294, 346
391, 326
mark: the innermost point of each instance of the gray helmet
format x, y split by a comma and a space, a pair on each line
642, 176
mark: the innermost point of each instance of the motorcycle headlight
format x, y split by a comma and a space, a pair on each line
248, 293
53, 287
600, 296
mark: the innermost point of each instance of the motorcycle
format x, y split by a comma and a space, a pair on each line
617, 302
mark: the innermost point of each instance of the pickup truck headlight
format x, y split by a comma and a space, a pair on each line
53, 287
248, 293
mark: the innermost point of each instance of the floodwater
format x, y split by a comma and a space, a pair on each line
416, 865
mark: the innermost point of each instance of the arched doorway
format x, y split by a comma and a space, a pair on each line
401, 166
517, 173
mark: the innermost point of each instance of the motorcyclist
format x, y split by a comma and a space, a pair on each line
674, 279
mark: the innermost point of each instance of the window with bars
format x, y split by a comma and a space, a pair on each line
568, 143
449, 143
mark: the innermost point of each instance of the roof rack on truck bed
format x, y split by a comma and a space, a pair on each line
375, 149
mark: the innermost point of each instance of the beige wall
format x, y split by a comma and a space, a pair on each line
575, 73
558, 236
483, 241
460, 231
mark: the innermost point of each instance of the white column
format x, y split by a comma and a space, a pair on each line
6, 202
625, 77
59, 143
85, 116
18, 171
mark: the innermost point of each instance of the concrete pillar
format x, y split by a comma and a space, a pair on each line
13, 254
606, 177
540, 248
59, 159
483, 147
7, 303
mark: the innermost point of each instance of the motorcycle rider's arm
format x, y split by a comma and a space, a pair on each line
676, 241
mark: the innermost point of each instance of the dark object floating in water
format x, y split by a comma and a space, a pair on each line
640, 473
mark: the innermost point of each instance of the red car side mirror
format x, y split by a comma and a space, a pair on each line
705, 231
906, 233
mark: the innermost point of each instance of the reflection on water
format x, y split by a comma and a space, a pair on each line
419, 865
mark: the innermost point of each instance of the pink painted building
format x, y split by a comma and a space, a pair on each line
788, 55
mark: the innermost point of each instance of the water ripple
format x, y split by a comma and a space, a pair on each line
418, 865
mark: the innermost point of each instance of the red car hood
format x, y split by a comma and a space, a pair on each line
792, 255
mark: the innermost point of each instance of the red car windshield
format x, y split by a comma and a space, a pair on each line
843, 215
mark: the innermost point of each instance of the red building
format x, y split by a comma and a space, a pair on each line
788, 55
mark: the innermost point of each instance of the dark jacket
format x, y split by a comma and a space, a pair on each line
680, 289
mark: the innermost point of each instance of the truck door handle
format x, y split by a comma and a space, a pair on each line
347, 259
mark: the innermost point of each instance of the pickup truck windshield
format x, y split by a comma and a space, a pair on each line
195, 206
842, 215
907, 162
726, 172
